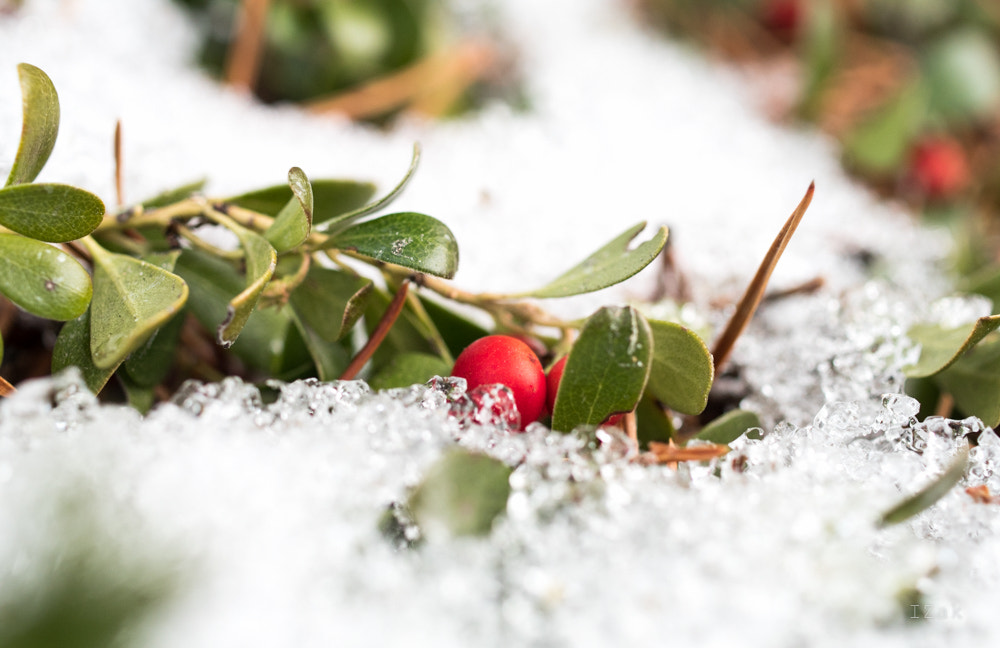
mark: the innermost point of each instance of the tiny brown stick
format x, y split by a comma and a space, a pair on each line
243, 58
119, 192
381, 330
755, 291
6, 389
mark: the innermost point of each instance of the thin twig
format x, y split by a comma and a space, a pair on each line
381, 330
6, 389
119, 192
755, 291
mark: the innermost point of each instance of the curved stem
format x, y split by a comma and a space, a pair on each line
381, 330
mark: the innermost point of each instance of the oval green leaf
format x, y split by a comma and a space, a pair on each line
729, 427
682, 371
606, 371
610, 265
72, 349
132, 298
40, 125
331, 198
213, 283
42, 279
331, 301
408, 239
941, 347
928, 495
330, 225
974, 381
150, 363
879, 143
962, 71
294, 222
462, 494
50, 212
260, 259
410, 369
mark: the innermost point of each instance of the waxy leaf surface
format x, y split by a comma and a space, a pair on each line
294, 222
682, 371
261, 260
50, 212
606, 371
40, 125
729, 427
132, 298
408, 239
974, 382
42, 279
330, 301
72, 349
410, 369
610, 265
149, 364
940, 347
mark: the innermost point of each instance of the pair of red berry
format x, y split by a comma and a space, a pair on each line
509, 361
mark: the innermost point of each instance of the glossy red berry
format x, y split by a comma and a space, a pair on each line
939, 168
502, 359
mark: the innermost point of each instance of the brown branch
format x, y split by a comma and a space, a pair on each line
755, 291
243, 58
381, 330
6, 389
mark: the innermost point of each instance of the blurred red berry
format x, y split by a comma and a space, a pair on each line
502, 359
782, 17
939, 168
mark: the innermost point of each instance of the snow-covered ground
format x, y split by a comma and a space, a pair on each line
258, 524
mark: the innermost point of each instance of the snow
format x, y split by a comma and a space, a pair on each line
255, 525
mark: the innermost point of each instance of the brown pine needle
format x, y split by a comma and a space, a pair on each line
381, 330
119, 193
243, 58
671, 454
981, 495
755, 291
6, 389
430, 85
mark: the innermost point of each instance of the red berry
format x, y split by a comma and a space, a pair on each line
501, 359
939, 167
782, 17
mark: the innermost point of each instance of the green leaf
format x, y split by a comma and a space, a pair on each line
42, 279
928, 495
682, 371
457, 331
962, 71
822, 39
50, 212
172, 196
331, 301
330, 225
409, 239
132, 298
329, 358
729, 427
261, 260
213, 283
150, 363
294, 222
974, 381
409, 369
331, 198
140, 397
879, 144
940, 347
608, 266
652, 422
606, 371
462, 494
40, 125
72, 349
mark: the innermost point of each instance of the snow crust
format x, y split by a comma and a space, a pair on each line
256, 525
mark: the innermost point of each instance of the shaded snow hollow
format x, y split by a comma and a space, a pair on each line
258, 524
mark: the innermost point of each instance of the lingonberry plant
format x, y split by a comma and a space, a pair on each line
321, 286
